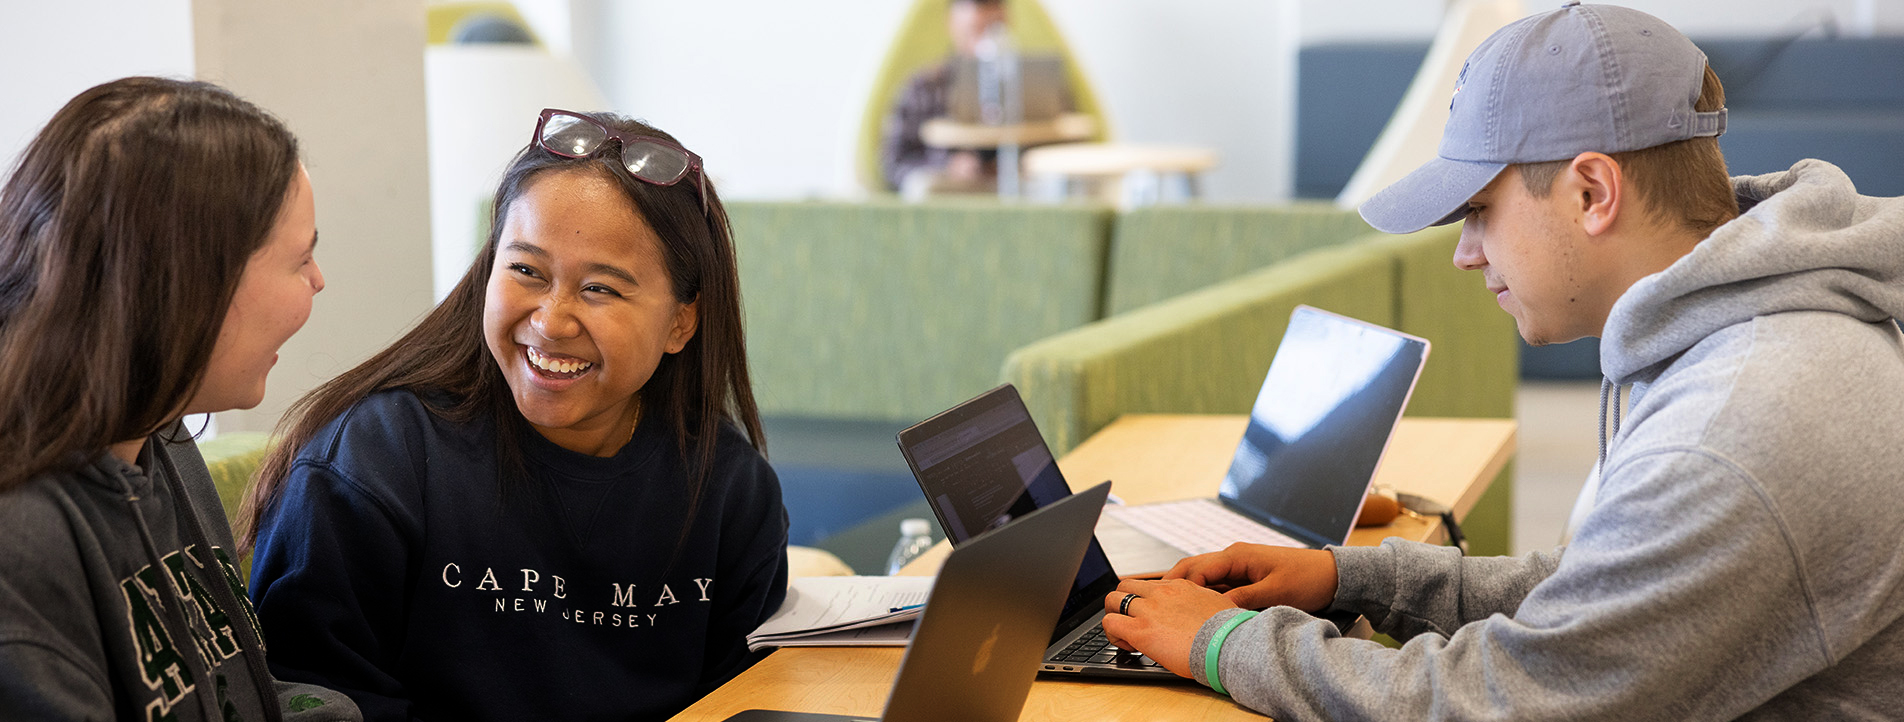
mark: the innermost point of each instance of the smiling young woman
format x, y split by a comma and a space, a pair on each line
548, 500
580, 311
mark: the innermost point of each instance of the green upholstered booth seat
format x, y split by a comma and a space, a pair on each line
233, 458
1206, 351
1474, 360
1163, 251
885, 310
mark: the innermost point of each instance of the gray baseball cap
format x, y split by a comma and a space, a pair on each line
1550, 87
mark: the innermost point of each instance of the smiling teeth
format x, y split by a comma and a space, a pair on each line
556, 365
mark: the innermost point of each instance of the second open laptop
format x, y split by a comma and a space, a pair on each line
1320, 425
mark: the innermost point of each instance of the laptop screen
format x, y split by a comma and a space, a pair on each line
1320, 423
1042, 89
983, 464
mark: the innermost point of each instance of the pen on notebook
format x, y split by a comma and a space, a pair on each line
906, 608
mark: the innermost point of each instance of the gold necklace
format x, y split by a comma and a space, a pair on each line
634, 424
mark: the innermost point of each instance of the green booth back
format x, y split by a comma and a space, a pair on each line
1162, 251
1474, 358
894, 311
1202, 352
232, 458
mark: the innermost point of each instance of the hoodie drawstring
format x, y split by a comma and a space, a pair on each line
1605, 383
1608, 392
248, 637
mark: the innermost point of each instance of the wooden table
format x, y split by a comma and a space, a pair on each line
954, 135
1125, 174
1148, 458
1154, 457
1116, 159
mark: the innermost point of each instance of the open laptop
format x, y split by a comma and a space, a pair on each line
975, 650
1317, 431
1041, 84
982, 464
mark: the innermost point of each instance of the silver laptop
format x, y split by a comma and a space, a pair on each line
982, 464
975, 650
1318, 429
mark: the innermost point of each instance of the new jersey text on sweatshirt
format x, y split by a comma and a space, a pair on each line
531, 591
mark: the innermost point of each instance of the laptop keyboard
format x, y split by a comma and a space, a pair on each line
1095, 648
1197, 526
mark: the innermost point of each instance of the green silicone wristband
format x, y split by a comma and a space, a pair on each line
1215, 649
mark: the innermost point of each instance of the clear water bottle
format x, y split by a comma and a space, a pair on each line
915, 537
999, 98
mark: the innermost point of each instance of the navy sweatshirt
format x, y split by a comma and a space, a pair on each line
394, 571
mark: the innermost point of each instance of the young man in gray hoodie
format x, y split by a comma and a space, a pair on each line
1740, 554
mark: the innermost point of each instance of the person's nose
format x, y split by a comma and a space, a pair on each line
317, 278
554, 317
1468, 255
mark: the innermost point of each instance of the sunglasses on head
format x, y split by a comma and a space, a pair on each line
649, 159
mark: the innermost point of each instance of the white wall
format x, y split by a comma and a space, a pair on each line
483, 101
773, 99
50, 51
347, 77
1215, 74
768, 93
771, 92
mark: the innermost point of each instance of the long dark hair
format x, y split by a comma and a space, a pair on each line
694, 391
124, 229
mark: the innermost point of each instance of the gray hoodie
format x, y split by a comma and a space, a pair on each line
119, 600
1742, 556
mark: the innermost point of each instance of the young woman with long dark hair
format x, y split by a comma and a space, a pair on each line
547, 500
156, 244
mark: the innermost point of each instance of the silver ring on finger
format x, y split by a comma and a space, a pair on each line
1123, 607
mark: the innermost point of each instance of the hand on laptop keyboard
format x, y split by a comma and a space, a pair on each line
1161, 620
1253, 576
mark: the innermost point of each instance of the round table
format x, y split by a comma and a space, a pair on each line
1129, 174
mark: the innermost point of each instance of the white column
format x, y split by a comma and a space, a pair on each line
347, 77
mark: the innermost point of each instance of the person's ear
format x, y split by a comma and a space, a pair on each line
687, 319
1597, 188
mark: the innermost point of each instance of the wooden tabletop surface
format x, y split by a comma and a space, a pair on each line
1148, 458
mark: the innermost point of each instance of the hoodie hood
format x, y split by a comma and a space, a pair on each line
1806, 242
